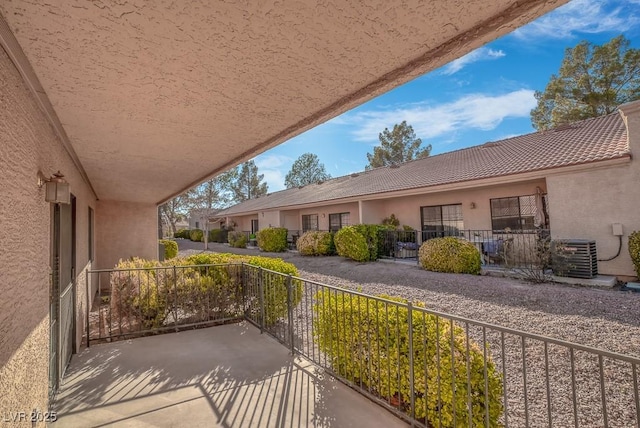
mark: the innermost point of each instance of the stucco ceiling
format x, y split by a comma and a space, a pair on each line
157, 96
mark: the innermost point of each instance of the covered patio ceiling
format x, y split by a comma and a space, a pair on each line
152, 98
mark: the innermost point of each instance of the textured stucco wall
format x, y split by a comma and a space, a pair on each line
28, 145
407, 208
125, 229
584, 205
324, 211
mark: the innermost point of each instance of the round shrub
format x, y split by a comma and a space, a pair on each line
170, 248
140, 297
215, 235
237, 239
273, 239
196, 235
275, 286
371, 349
634, 250
315, 243
181, 233
451, 255
351, 244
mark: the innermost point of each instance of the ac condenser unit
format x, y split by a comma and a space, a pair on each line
575, 258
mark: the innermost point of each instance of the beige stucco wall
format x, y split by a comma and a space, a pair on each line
324, 211
585, 205
125, 229
407, 208
28, 145
268, 219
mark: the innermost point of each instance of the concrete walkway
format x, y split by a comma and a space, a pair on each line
226, 376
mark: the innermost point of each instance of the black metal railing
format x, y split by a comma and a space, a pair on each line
509, 249
441, 370
398, 244
431, 368
141, 301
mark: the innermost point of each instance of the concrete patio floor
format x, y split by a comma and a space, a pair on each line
226, 376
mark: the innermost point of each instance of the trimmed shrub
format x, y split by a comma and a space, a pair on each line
371, 349
170, 248
634, 250
315, 243
371, 233
351, 244
451, 255
196, 235
215, 235
275, 289
181, 233
237, 239
272, 239
142, 296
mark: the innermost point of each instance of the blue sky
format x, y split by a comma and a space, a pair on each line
484, 96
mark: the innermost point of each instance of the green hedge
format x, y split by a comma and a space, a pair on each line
196, 235
634, 250
272, 239
351, 244
170, 248
451, 255
371, 349
155, 297
371, 233
215, 235
181, 233
237, 239
315, 243
275, 289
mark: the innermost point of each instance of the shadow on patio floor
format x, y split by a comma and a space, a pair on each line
226, 376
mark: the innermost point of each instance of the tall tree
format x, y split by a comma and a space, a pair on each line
307, 169
174, 210
397, 146
592, 81
246, 182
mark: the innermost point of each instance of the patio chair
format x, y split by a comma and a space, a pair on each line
495, 251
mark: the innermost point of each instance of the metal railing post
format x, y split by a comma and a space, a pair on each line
88, 305
290, 313
412, 395
175, 297
261, 298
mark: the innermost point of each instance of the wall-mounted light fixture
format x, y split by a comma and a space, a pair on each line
262, 213
323, 215
472, 205
57, 190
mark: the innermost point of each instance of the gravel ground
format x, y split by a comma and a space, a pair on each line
604, 319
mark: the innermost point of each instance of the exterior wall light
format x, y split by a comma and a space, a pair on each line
472, 205
57, 190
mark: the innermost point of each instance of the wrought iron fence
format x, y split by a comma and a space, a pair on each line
398, 244
510, 249
440, 370
431, 368
141, 301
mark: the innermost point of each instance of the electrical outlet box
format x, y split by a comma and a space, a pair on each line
617, 229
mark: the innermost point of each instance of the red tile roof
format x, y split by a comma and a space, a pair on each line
592, 140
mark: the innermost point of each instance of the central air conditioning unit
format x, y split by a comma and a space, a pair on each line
574, 258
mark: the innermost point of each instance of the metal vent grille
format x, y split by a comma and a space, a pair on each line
575, 258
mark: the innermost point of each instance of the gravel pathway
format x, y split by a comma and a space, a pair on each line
604, 319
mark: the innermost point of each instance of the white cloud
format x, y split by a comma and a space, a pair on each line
581, 16
480, 54
273, 167
475, 111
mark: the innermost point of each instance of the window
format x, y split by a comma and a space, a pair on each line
91, 234
197, 225
515, 213
441, 220
309, 222
338, 221
254, 226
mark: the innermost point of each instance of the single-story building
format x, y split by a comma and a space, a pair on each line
205, 219
577, 180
